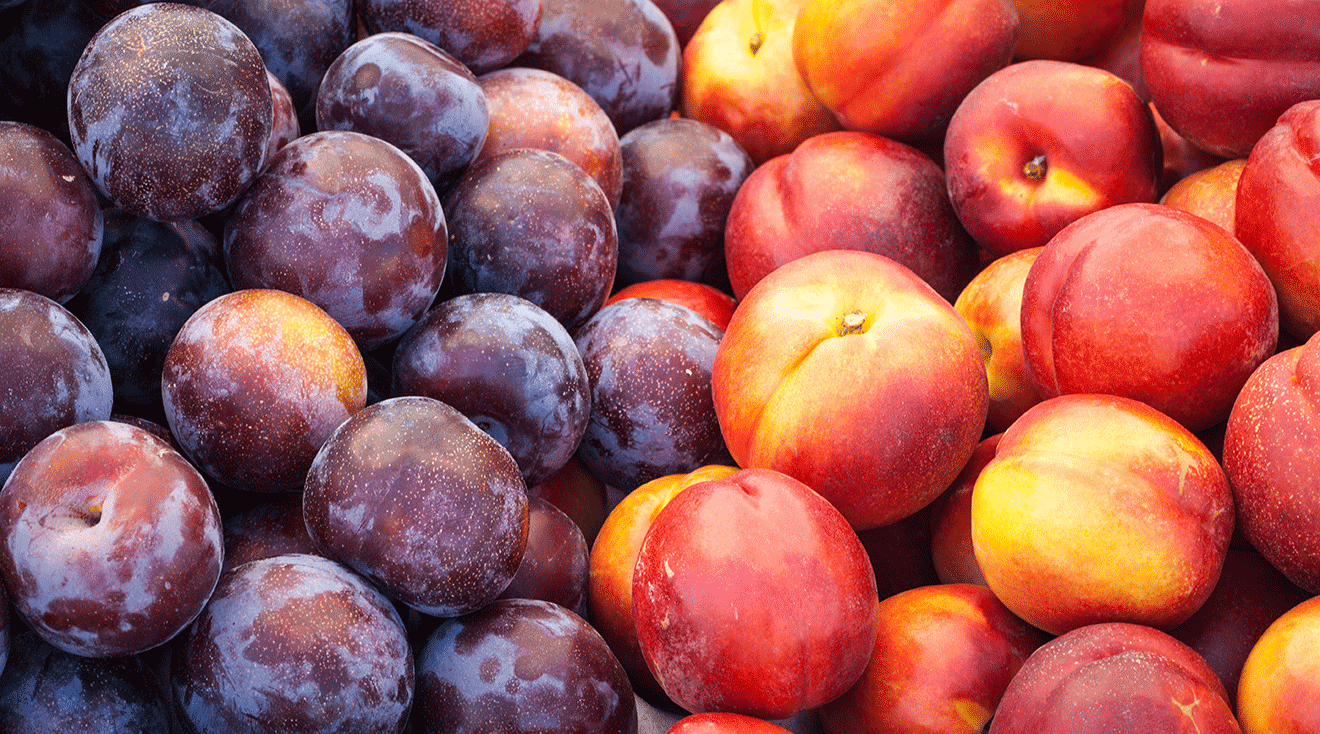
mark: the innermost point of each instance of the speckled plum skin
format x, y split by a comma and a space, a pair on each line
170, 111
679, 180
507, 365
151, 277
110, 541
521, 665
535, 108
533, 224
401, 88
623, 52
46, 689
348, 222
298, 40
482, 34
652, 413
413, 496
52, 373
50, 220
294, 644
254, 383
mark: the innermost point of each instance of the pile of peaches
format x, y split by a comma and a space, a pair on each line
737, 367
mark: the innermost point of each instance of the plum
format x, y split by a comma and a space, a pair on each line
349, 222
45, 689
294, 643
623, 52
110, 541
535, 108
406, 90
151, 277
482, 34
413, 496
652, 411
507, 365
298, 40
554, 565
267, 529
53, 373
50, 219
173, 128
521, 665
533, 224
679, 180
285, 127
254, 383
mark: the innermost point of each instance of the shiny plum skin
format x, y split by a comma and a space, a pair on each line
40, 43
623, 52
254, 383
652, 412
151, 277
521, 665
348, 222
50, 219
110, 541
400, 88
555, 566
413, 496
533, 224
175, 128
298, 40
46, 689
482, 34
284, 128
535, 108
507, 365
53, 372
294, 643
679, 180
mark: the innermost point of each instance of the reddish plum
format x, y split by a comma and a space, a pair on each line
482, 34
554, 565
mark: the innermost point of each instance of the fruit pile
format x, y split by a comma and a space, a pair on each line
702, 366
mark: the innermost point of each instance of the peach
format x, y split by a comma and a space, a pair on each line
828, 373
1210, 193
1098, 508
951, 521
899, 68
1068, 30
1279, 690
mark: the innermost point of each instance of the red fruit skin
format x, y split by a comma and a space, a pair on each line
1278, 210
1222, 71
753, 595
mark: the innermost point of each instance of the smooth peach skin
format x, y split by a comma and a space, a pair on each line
1210, 193
848, 190
943, 656
1114, 678
1270, 458
1278, 214
752, 595
1039, 144
1222, 71
1097, 508
706, 300
1279, 690
610, 568
1151, 303
879, 421
1250, 596
951, 521
898, 68
723, 723
738, 74
1068, 30
992, 306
